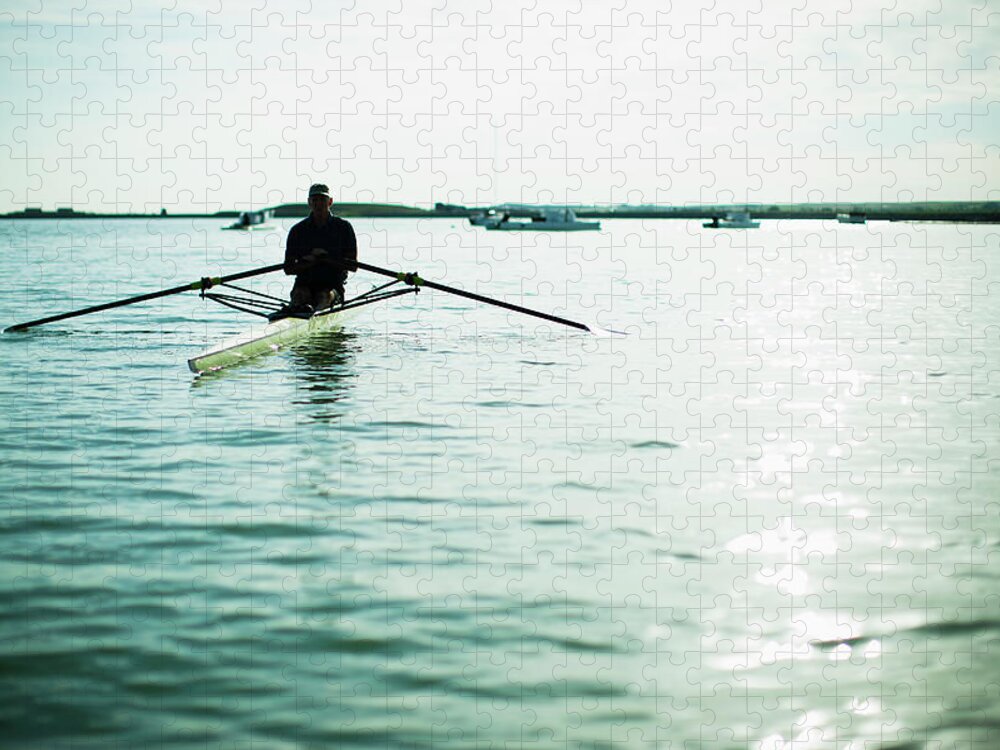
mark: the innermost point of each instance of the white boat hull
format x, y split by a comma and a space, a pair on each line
264, 339
731, 225
249, 228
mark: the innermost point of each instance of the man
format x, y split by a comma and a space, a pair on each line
320, 250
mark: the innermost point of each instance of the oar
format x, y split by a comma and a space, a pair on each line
201, 284
414, 280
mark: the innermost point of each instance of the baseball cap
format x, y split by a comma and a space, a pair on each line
319, 189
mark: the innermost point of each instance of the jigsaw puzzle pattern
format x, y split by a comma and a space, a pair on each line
763, 518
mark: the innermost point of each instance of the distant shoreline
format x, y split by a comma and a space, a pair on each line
290, 210
984, 212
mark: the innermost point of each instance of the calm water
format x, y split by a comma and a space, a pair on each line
767, 516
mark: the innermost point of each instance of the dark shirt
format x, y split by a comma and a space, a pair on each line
336, 237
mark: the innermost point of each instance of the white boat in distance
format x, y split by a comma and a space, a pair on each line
525, 218
252, 220
732, 221
850, 218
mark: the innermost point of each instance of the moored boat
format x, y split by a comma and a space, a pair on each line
852, 218
538, 219
252, 220
732, 221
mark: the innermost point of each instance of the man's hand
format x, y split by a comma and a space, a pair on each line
313, 258
319, 256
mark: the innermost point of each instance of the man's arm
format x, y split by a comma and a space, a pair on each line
350, 248
292, 252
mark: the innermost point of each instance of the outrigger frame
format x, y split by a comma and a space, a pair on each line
255, 302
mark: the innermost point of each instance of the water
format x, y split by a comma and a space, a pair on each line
768, 515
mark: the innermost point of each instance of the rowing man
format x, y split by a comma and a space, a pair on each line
321, 249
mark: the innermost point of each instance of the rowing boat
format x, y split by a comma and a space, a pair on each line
275, 332
267, 337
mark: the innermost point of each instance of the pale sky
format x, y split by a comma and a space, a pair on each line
201, 107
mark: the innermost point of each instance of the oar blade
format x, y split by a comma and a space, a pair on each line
603, 332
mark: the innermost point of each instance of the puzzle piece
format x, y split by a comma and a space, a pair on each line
763, 518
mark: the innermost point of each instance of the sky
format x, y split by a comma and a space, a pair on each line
202, 106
